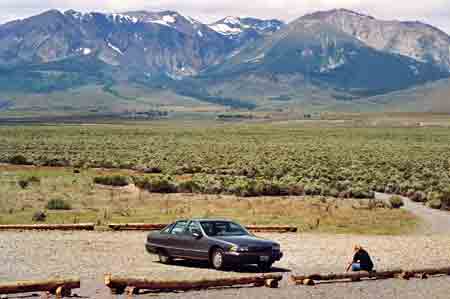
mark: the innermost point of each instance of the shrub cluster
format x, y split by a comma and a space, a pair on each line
244, 186
58, 204
112, 180
396, 202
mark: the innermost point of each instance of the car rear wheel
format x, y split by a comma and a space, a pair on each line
218, 259
164, 257
265, 267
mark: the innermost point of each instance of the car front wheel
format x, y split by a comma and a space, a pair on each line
164, 257
218, 259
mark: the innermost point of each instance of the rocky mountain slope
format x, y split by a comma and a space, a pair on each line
333, 56
416, 40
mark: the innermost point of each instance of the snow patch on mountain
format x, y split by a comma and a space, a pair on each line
225, 29
86, 51
116, 49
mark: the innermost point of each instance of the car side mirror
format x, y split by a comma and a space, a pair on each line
197, 234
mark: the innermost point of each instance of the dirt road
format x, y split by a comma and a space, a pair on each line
434, 221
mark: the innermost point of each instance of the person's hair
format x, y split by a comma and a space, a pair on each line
357, 247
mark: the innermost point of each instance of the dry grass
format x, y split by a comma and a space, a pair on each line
93, 203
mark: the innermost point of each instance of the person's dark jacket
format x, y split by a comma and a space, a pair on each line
363, 258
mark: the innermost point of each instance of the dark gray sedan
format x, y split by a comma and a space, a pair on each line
221, 242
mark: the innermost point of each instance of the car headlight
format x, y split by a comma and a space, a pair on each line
276, 247
235, 248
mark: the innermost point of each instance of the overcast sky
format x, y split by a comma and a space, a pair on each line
434, 12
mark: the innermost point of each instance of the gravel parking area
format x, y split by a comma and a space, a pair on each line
40, 255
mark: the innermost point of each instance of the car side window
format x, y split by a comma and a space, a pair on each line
167, 229
193, 226
178, 228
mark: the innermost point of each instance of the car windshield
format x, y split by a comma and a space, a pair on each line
223, 228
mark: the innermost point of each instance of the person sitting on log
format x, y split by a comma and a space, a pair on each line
361, 260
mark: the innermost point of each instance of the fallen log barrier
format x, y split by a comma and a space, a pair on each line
81, 226
272, 229
357, 276
158, 226
137, 226
118, 285
58, 287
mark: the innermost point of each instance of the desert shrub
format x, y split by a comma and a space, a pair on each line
58, 204
313, 189
26, 182
39, 216
396, 202
112, 180
55, 162
435, 204
23, 183
266, 187
445, 198
156, 184
19, 160
189, 186
152, 169
419, 196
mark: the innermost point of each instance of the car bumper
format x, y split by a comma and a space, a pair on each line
248, 258
150, 249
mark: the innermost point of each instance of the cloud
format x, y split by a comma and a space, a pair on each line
435, 12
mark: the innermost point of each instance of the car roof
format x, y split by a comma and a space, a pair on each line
206, 219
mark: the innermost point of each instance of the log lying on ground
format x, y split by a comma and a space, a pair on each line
54, 286
81, 226
119, 284
353, 276
272, 229
356, 276
158, 226
137, 226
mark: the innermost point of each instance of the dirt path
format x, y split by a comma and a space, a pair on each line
435, 221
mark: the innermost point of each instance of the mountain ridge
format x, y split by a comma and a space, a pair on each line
236, 61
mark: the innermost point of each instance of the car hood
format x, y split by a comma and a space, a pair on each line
246, 240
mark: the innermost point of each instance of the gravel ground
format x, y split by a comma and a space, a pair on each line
39, 255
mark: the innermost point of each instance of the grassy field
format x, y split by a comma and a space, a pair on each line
93, 203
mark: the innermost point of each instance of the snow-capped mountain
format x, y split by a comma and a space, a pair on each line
339, 49
235, 26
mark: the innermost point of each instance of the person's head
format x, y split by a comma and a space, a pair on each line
357, 247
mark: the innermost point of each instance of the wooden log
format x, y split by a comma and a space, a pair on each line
159, 226
120, 283
271, 283
431, 271
137, 226
81, 226
52, 286
308, 282
272, 229
353, 276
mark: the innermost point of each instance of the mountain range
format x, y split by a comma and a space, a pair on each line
338, 59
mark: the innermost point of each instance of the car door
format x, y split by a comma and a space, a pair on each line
174, 238
192, 247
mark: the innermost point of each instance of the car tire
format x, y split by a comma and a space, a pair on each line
265, 267
164, 258
218, 259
